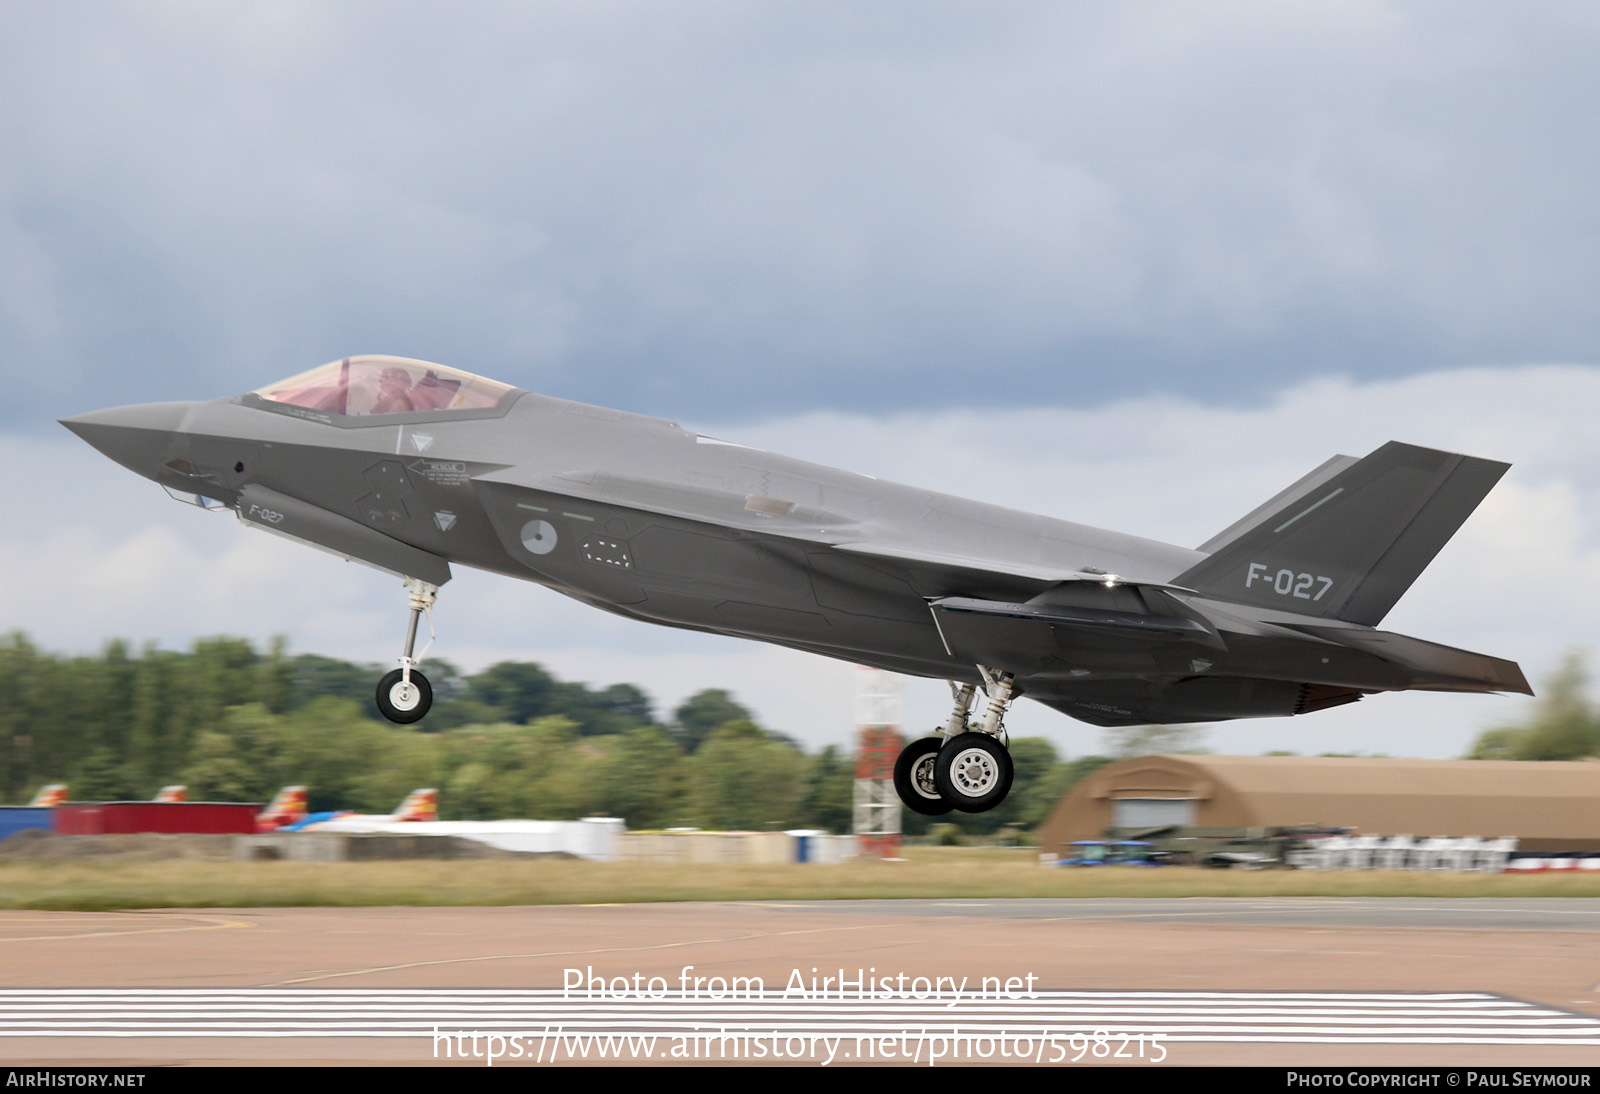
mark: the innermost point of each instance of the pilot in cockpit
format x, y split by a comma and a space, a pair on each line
394, 392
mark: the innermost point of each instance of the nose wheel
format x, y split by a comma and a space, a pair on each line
404, 694
404, 700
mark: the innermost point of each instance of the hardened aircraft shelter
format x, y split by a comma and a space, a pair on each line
1547, 806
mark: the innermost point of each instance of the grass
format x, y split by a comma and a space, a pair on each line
928, 872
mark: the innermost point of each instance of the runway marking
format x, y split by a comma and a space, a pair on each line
1282, 909
210, 924
421, 1014
572, 953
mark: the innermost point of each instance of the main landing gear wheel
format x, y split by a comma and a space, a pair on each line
404, 702
913, 777
973, 772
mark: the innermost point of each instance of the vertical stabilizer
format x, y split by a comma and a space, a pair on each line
51, 795
1353, 544
1275, 504
420, 805
289, 807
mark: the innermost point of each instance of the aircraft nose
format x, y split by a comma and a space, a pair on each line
137, 437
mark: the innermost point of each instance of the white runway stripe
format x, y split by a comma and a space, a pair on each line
1217, 1017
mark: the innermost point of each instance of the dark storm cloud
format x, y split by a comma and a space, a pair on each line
716, 210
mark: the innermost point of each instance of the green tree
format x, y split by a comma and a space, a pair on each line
641, 778
22, 668
615, 709
1564, 725
1125, 742
627, 701
519, 690
1497, 744
537, 770
333, 748
739, 778
216, 772
830, 791
1038, 785
245, 757
703, 712
100, 777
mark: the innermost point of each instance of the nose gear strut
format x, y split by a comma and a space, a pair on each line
404, 694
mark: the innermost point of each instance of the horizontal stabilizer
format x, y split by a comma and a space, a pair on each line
1441, 668
1071, 639
1352, 545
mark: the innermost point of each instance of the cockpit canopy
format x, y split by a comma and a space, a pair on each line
358, 387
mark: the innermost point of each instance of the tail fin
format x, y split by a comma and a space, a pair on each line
289, 807
176, 793
54, 794
420, 805
1279, 501
1352, 545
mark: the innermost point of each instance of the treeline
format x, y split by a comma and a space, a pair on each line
235, 724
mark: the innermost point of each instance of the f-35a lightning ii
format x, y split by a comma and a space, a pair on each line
409, 466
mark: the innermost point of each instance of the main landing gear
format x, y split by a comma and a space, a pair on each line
404, 694
964, 769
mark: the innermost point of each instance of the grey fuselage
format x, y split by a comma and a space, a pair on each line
640, 517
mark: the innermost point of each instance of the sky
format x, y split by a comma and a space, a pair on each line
1137, 266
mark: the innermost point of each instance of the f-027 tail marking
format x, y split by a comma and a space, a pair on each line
1352, 545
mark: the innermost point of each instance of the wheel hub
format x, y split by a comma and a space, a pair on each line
974, 772
922, 776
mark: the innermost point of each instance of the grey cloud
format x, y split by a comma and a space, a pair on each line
730, 210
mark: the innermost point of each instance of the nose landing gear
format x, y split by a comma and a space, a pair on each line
970, 771
404, 694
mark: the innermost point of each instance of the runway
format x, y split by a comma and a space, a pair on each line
1310, 981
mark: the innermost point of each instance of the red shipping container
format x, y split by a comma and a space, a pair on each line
123, 818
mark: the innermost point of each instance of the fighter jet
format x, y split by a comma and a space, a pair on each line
409, 467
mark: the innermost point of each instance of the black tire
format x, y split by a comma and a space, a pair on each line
913, 777
396, 706
973, 772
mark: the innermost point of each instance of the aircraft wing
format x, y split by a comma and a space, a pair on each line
921, 556
765, 516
